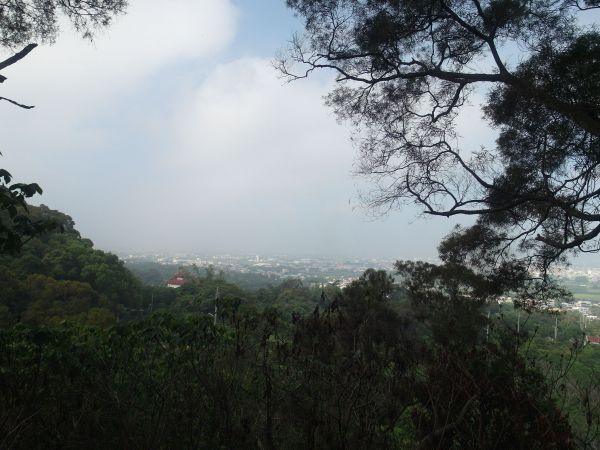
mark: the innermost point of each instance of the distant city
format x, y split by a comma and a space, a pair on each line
574, 272
311, 268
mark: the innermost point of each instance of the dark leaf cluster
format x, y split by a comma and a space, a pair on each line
405, 70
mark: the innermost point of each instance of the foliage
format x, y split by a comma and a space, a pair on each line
59, 275
23, 21
151, 273
54, 301
475, 390
15, 223
354, 375
375, 365
407, 68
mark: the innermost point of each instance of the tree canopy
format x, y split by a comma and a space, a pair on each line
405, 70
15, 224
354, 375
60, 276
23, 21
26, 23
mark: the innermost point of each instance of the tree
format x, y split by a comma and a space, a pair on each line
15, 225
56, 258
24, 21
406, 68
57, 300
475, 388
21, 22
13, 299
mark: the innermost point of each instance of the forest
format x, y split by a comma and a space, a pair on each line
427, 356
92, 357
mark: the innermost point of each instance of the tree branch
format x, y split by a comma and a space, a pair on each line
578, 240
20, 105
15, 58
450, 426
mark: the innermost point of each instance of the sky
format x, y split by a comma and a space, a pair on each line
172, 132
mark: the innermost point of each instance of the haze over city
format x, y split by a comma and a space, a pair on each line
173, 132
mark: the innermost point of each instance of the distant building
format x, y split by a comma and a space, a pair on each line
592, 340
176, 281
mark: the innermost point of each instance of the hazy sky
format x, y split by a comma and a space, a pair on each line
172, 132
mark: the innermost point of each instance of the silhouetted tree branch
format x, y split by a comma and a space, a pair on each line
406, 69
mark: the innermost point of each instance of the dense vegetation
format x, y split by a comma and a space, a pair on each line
380, 364
92, 358
59, 275
355, 375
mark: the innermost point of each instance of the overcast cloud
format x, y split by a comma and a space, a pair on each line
172, 132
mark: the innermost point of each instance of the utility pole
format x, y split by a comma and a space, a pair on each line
518, 321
